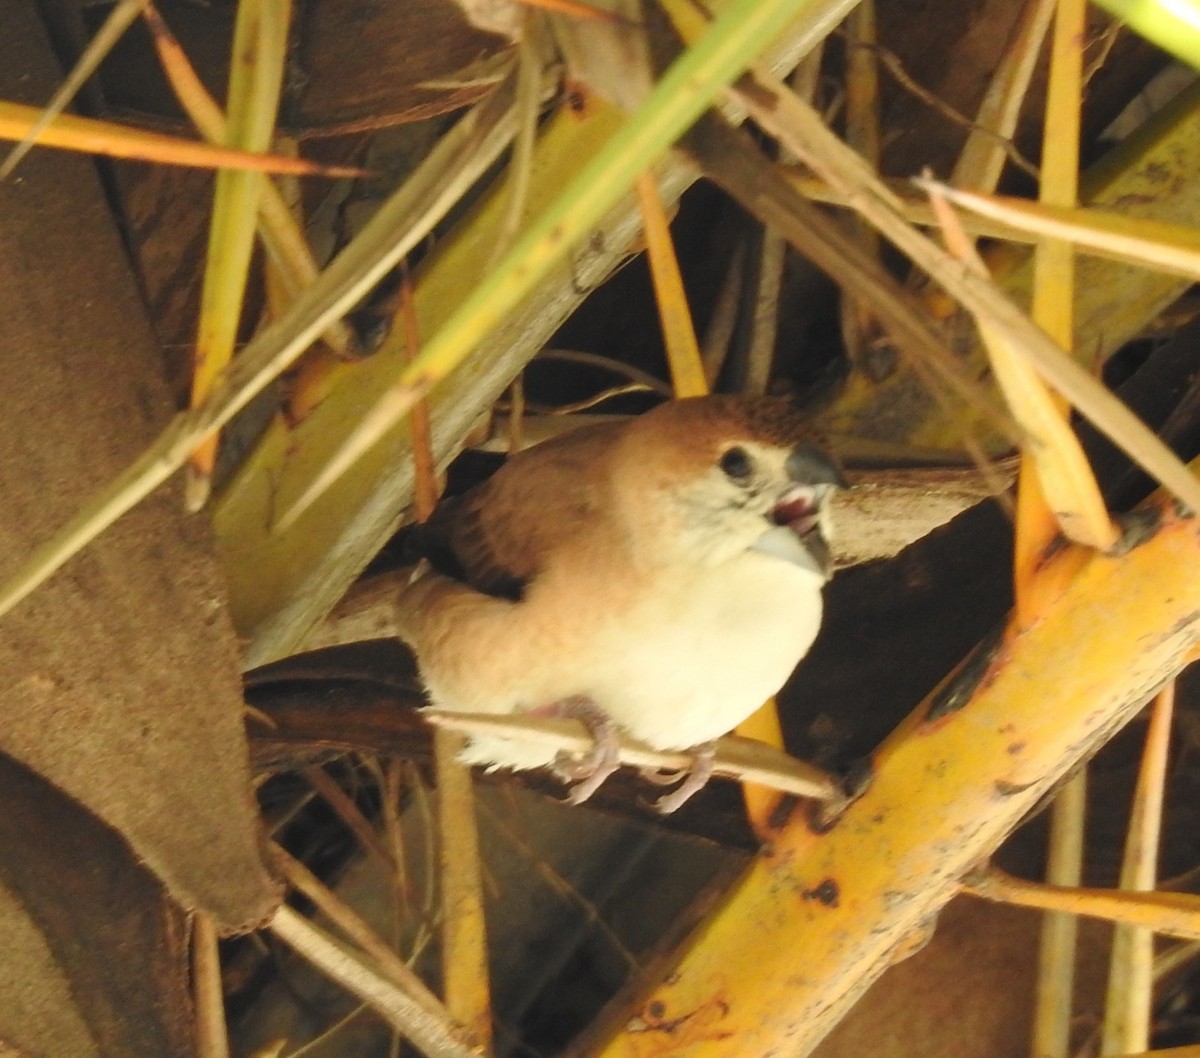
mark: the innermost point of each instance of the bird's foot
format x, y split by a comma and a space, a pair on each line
694, 779
586, 770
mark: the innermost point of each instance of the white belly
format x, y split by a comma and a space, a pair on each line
686, 663
725, 640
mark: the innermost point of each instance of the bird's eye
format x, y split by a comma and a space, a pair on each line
736, 464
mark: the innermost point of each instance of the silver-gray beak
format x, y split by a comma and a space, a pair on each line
808, 465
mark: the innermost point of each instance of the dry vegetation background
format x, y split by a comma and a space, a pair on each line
223, 827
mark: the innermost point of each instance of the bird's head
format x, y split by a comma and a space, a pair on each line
721, 475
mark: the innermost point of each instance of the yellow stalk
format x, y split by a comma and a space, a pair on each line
1045, 501
679, 334
1066, 493
255, 81
464, 937
1057, 941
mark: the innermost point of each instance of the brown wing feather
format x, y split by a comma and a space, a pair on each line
497, 536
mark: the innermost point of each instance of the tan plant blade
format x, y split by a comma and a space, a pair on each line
119, 20
805, 133
983, 156
1166, 247
346, 809
763, 282
863, 134
528, 108
122, 141
403, 221
259, 52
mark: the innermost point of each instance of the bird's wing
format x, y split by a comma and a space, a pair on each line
497, 536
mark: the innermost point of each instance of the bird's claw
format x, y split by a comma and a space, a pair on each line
663, 776
694, 778
585, 787
587, 770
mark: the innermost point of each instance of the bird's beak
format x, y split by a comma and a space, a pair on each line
800, 508
807, 465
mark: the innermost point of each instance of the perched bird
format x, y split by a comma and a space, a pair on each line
660, 575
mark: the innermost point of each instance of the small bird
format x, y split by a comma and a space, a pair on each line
660, 576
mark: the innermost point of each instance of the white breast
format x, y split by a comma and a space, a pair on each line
676, 666
702, 653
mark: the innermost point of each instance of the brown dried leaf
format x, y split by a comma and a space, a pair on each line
120, 680
94, 955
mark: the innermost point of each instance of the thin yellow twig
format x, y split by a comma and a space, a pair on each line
745, 759
1175, 914
1051, 1037
683, 351
1129, 1001
464, 938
